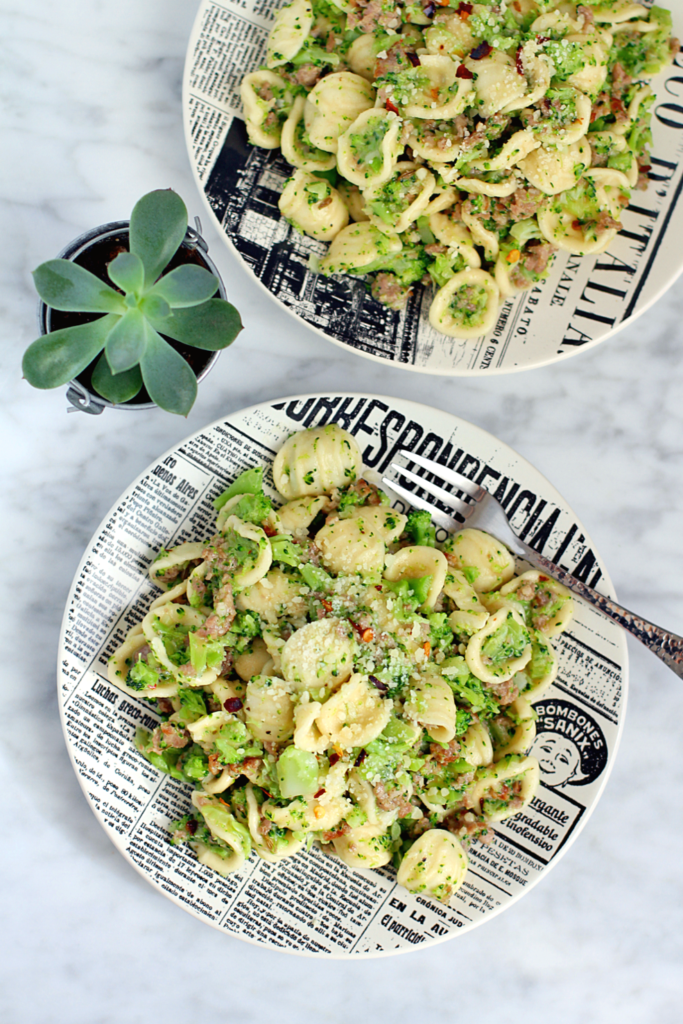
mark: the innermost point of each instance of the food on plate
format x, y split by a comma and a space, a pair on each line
459, 144
327, 672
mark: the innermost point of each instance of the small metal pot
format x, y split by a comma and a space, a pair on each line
80, 397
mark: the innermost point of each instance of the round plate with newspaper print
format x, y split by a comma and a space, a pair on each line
583, 301
312, 903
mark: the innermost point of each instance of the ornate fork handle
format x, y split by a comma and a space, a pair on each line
667, 646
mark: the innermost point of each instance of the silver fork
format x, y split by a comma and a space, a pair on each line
476, 507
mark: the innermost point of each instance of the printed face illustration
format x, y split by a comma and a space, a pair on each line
558, 757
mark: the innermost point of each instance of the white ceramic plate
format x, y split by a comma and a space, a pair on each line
313, 904
584, 300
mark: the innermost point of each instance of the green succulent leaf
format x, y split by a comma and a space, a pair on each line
116, 388
127, 342
154, 306
67, 286
169, 379
212, 326
186, 286
157, 227
58, 357
127, 272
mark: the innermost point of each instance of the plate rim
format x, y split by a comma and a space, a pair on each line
342, 955
558, 357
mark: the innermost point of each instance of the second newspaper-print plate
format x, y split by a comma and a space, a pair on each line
583, 301
312, 904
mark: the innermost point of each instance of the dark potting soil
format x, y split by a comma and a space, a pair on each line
96, 258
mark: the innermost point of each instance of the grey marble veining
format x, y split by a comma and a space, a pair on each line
90, 102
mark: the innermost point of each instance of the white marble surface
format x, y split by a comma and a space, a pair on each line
91, 112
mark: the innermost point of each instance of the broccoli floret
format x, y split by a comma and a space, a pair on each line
467, 689
285, 550
252, 508
141, 676
410, 594
420, 528
192, 705
440, 633
249, 482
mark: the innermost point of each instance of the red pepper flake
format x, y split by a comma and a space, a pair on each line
463, 72
481, 51
364, 632
576, 224
361, 757
318, 794
464, 10
334, 758
378, 586
414, 59
326, 605
268, 530
391, 107
519, 63
427, 648
542, 39
434, 93
192, 826
543, 579
233, 704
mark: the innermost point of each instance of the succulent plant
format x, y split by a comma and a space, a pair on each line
144, 305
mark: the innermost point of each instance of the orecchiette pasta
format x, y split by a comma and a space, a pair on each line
485, 561
332, 105
269, 709
547, 605
367, 846
299, 514
354, 716
438, 92
292, 24
416, 563
327, 672
490, 792
272, 851
313, 206
435, 864
273, 596
553, 170
500, 649
467, 305
319, 654
431, 704
398, 202
357, 247
369, 149
296, 146
514, 731
315, 462
266, 97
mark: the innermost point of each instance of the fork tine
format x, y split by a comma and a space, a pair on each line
463, 483
439, 517
437, 492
